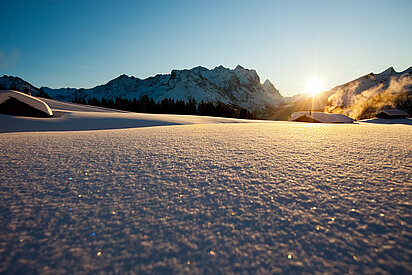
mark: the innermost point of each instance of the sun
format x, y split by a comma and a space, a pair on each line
314, 86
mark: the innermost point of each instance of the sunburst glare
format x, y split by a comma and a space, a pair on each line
314, 86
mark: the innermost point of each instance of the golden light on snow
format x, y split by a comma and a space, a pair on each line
314, 86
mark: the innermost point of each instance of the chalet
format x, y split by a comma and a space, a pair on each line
392, 113
320, 117
20, 104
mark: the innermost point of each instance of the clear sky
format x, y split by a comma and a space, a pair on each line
59, 43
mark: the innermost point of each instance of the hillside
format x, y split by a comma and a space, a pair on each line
365, 96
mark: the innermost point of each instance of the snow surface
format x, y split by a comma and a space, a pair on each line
393, 121
208, 198
29, 100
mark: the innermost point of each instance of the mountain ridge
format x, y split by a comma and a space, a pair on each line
385, 76
237, 87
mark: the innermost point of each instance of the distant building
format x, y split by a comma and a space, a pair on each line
392, 113
20, 104
320, 117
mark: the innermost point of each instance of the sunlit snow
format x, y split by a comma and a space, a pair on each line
208, 198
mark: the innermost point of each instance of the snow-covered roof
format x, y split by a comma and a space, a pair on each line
29, 100
394, 112
322, 117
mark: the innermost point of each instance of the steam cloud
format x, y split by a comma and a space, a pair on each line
368, 103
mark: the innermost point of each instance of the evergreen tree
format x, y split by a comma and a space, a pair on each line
144, 104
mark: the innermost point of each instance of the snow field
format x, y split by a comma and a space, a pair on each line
77, 117
219, 198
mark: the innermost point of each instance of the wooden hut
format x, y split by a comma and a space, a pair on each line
320, 117
392, 113
20, 104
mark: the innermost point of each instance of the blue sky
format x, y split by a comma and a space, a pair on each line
60, 43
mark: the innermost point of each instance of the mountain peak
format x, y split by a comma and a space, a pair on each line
388, 71
121, 77
220, 68
267, 82
199, 68
239, 68
270, 88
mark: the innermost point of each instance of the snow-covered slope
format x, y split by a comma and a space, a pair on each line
368, 94
239, 87
372, 80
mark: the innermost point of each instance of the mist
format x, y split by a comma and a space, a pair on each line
369, 102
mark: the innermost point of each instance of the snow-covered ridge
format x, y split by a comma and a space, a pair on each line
371, 80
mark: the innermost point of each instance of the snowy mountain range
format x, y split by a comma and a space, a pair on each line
239, 87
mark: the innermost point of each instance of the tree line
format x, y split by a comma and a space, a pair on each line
144, 104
